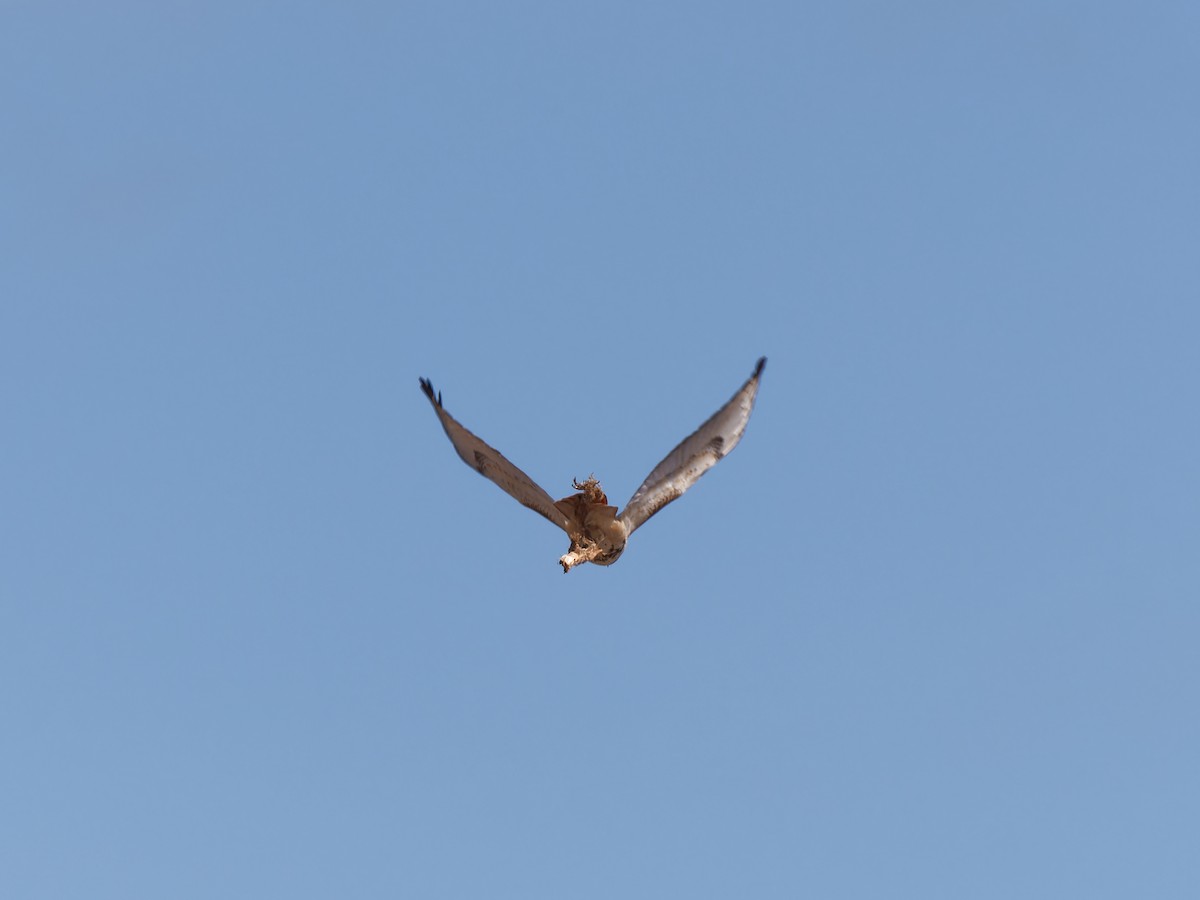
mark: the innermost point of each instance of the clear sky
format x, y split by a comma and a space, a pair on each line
929, 632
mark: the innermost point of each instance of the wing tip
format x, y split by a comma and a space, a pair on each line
427, 387
759, 366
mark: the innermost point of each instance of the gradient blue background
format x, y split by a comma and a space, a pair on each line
930, 632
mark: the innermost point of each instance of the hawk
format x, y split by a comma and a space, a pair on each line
598, 533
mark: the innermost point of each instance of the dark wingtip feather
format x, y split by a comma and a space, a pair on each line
427, 387
762, 362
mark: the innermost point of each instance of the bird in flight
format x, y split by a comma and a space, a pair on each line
598, 533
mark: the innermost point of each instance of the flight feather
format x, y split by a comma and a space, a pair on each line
492, 465
695, 455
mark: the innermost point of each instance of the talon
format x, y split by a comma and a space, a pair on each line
592, 491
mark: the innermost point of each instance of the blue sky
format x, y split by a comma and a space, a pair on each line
929, 632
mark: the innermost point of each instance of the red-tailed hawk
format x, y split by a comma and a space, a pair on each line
598, 534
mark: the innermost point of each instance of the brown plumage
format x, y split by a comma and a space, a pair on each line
598, 534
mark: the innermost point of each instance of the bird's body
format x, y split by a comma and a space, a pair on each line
598, 532
600, 535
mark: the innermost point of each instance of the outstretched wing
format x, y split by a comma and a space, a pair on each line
696, 455
491, 464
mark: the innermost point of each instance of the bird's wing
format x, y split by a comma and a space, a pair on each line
491, 464
698, 453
